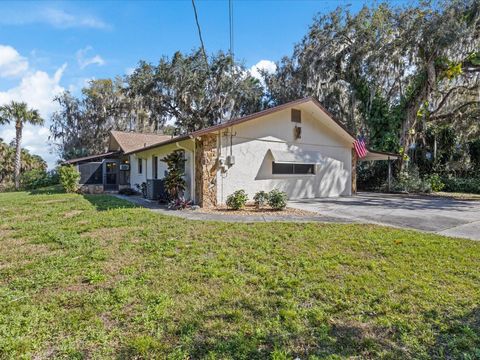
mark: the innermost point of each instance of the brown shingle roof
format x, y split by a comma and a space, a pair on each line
131, 141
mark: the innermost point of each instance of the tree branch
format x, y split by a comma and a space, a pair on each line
447, 95
453, 112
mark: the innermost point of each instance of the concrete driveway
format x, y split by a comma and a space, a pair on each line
459, 218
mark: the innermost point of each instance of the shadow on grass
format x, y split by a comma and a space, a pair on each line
108, 202
460, 339
49, 190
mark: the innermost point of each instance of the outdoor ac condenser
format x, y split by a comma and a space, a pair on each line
156, 189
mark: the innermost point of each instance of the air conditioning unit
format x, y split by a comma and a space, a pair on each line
156, 189
124, 167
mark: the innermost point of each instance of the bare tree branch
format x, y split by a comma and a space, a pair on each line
453, 112
447, 96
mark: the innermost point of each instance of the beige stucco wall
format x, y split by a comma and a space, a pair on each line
161, 152
252, 170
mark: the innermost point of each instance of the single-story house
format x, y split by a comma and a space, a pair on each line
110, 171
297, 147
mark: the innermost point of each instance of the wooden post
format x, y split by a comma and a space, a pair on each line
389, 174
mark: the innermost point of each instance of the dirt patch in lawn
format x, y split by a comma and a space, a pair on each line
72, 213
54, 201
5, 233
250, 210
106, 234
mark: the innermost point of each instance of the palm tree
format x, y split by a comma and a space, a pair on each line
19, 113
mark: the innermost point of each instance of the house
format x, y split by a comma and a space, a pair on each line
110, 171
296, 147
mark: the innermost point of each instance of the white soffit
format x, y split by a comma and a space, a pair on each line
372, 156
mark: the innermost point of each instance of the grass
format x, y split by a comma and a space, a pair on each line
458, 196
95, 277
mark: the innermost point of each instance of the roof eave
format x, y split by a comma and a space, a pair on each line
382, 153
162, 143
90, 157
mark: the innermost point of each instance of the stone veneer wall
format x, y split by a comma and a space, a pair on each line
91, 189
206, 166
354, 172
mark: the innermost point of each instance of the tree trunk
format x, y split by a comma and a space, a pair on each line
410, 122
18, 153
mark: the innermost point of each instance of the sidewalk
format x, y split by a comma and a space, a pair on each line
198, 215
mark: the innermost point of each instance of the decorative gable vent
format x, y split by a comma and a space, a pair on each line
296, 116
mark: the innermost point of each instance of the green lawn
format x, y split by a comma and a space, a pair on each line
94, 277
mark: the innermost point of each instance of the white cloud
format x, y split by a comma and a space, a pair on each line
78, 84
62, 19
55, 17
11, 62
35, 140
37, 89
266, 65
84, 61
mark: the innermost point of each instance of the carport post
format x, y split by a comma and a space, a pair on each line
389, 174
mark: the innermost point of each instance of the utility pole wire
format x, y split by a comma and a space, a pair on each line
230, 19
200, 33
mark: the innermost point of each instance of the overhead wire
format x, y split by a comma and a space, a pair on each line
230, 21
202, 45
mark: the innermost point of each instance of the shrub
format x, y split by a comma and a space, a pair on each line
436, 182
174, 182
464, 185
411, 182
260, 198
237, 200
127, 191
142, 188
69, 178
38, 178
277, 199
371, 174
180, 204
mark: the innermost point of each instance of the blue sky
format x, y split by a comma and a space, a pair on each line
48, 47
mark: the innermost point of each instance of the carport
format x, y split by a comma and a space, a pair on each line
378, 155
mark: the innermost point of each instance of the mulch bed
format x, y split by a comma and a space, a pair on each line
457, 196
250, 210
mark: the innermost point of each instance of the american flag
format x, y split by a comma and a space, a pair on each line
360, 147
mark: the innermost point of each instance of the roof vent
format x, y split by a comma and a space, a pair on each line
296, 116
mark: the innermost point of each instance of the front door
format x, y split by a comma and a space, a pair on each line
111, 175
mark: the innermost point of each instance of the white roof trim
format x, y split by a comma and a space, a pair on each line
373, 156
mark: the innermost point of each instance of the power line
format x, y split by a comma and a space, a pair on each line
230, 20
199, 33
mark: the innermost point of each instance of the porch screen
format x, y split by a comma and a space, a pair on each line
91, 173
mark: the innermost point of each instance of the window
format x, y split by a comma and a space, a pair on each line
292, 168
140, 166
155, 166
